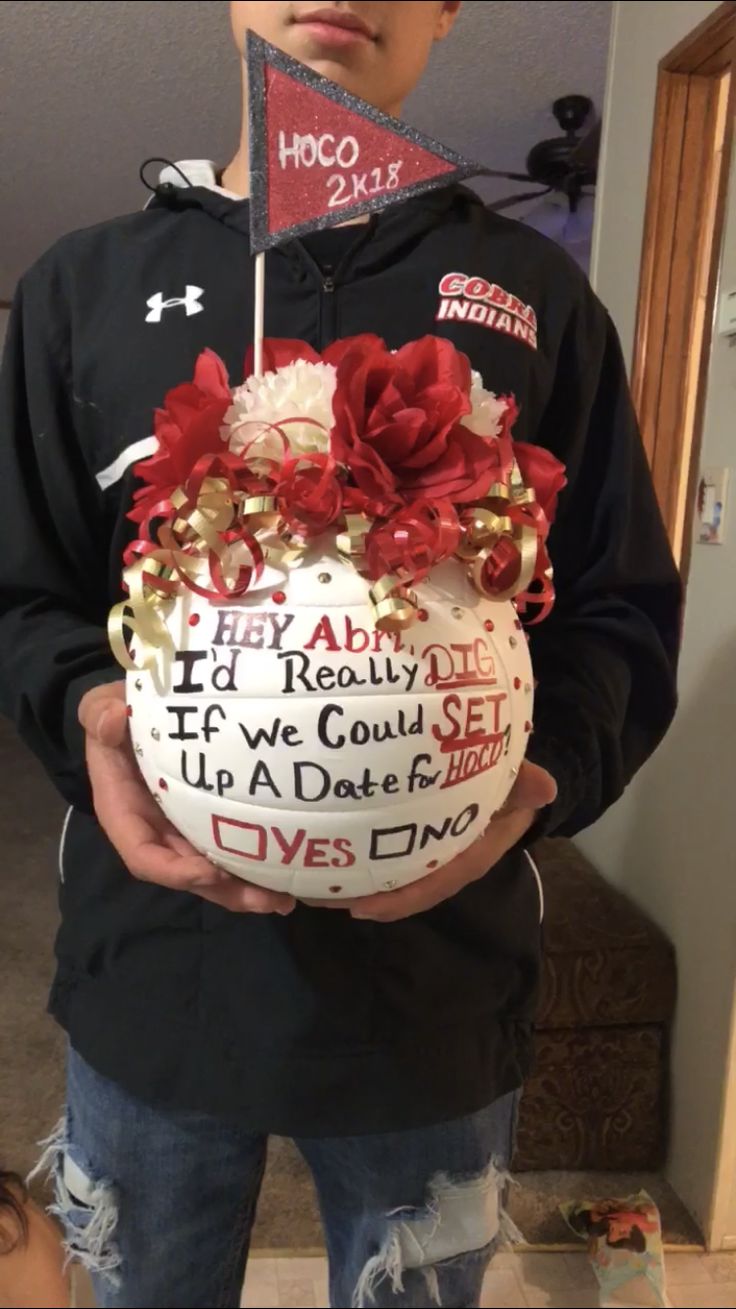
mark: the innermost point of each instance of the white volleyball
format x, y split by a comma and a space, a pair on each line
304, 751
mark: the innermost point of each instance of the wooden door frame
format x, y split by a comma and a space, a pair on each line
688, 180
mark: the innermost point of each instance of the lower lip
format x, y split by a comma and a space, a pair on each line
329, 34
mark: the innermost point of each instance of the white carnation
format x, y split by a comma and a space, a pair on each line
300, 390
488, 409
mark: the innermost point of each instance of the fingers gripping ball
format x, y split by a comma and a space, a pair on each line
302, 750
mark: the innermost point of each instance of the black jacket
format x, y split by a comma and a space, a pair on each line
314, 1023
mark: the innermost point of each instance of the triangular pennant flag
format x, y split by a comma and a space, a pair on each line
319, 155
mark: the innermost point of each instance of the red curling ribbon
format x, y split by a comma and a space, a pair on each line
501, 568
413, 540
309, 494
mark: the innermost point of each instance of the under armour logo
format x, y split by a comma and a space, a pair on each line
190, 301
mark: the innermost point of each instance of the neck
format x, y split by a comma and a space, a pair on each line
236, 177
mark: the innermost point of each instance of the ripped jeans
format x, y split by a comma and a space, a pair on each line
159, 1205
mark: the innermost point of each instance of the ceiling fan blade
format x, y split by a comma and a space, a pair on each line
496, 206
585, 153
509, 177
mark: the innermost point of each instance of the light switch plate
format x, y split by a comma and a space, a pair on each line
712, 493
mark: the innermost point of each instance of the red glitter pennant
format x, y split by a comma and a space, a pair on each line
319, 155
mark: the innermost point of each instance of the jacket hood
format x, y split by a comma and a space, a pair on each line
192, 184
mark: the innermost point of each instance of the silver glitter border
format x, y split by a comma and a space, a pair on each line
258, 53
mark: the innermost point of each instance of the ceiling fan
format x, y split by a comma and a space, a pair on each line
565, 168
565, 164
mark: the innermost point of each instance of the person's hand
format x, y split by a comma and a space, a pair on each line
534, 788
147, 843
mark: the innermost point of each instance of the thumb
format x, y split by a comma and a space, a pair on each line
103, 715
534, 788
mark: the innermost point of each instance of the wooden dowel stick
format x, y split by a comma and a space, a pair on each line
258, 313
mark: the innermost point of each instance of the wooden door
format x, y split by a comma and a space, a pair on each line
688, 177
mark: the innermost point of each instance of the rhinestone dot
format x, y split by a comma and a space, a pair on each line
138, 684
389, 886
433, 863
517, 624
335, 890
324, 578
422, 615
139, 750
527, 727
514, 772
279, 597
513, 642
193, 620
155, 734
158, 799
527, 687
457, 612
489, 624
163, 783
517, 683
129, 711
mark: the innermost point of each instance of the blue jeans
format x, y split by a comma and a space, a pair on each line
159, 1205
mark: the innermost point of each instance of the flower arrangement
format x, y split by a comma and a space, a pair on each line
403, 457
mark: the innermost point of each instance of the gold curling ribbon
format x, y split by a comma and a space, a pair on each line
140, 615
393, 605
351, 542
199, 530
186, 547
484, 530
521, 493
488, 526
259, 506
213, 513
285, 553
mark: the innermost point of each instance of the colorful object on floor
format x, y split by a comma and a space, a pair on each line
346, 158
290, 534
624, 1244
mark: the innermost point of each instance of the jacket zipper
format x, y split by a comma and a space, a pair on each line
329, 282
328, 313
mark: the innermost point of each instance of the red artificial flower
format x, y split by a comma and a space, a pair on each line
308, 494
398, 422
543, 474
187, 428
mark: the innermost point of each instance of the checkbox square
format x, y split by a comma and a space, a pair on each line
246, 839
393, 842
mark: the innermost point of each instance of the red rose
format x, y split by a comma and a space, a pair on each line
398, 422
187, 428
543, 474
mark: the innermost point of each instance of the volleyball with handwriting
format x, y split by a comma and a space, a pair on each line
329, 684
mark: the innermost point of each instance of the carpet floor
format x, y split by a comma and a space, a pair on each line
31, 1047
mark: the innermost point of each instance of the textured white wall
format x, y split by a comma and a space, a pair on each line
89, 90
670, 842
